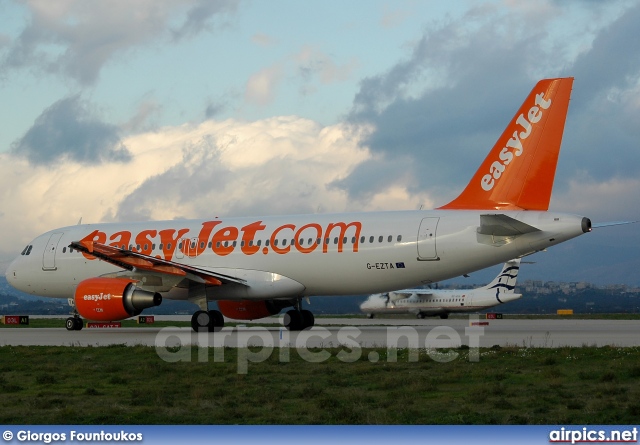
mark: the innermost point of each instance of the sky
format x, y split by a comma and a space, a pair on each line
163, 109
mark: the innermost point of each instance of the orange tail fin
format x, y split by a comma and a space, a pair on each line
519, 171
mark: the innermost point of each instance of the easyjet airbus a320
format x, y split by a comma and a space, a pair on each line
255, 267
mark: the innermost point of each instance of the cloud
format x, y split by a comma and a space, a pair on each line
261, 87
280, 165
77, 38
612, 62
67, 130
445, 105
313, 63
263, 40
583, 191
308, 66
394, 18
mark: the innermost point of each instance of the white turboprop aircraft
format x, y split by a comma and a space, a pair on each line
442, 302
254, 267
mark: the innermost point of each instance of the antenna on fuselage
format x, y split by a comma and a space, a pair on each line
80, 221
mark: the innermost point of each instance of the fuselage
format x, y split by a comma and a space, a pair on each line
297, 255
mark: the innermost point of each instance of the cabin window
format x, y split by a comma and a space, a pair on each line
146, 247
234, 244
380, 239
64, 250
362, 240
210, 244
168, 246
335, 240
390, 239
259, 242
202, 245
371, 239
399, 238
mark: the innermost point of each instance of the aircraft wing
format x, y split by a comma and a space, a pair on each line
129, 260
399, 295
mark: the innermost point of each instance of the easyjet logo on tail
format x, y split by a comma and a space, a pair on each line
514, 145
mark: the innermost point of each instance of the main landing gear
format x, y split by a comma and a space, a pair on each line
298, 319
211, 321
74, 323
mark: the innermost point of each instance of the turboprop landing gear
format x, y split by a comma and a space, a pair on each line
211, 321
74, 323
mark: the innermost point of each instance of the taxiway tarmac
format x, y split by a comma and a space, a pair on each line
329, 332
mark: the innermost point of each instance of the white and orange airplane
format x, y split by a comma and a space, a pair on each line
442, 302
255, 267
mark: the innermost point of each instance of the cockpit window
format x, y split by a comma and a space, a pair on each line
27, 250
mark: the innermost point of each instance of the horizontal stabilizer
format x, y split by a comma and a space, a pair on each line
503, 225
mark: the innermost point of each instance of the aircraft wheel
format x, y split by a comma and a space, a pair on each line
293, 320
444, 316
308, 320
200, 321
70, 324
78, 324
370, 316
216, 322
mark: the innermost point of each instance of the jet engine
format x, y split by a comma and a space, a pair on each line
111, 299
252, 310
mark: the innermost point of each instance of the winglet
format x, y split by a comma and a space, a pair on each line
519, 171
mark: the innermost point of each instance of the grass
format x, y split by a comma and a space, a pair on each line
132, 385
